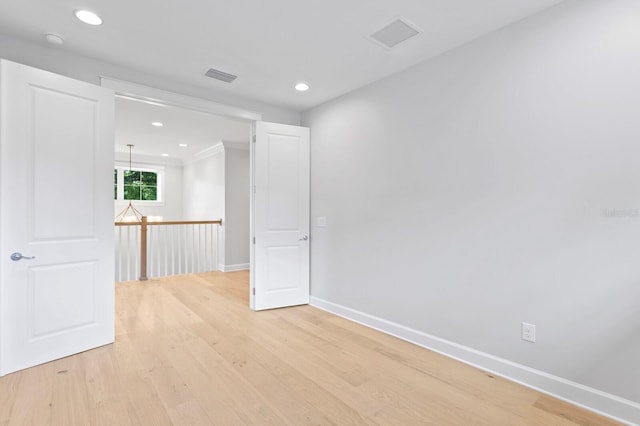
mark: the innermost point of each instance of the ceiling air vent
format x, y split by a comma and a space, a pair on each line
395, 33
220, 75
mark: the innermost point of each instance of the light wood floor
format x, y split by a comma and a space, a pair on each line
189, 351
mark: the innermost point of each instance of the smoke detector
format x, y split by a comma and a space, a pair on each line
55, 39
220, 75
394, 33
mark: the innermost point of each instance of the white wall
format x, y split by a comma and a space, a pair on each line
203, 193
478, 190
217, 187
237, 207
173, 187
60, 61
203, 188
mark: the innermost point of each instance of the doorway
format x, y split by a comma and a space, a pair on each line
196, 165
283, 264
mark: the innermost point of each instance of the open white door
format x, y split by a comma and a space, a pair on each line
56, 189
280, 251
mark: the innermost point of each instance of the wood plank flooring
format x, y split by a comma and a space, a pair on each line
188, 351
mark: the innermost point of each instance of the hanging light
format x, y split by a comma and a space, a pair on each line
134, 214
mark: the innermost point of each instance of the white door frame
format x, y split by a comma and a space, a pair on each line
155, 96
286, 242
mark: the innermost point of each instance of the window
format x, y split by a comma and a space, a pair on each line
139, 183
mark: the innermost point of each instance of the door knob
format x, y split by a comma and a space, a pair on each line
18, 256
305, 238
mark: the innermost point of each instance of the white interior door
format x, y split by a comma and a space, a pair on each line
56, 204
280, 253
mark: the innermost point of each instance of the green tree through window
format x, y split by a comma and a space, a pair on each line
138, 185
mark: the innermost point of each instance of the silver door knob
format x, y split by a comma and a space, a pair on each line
18, 256
305, 238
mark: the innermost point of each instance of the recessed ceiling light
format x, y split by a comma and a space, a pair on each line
88, 17
182, 145
165, 155
302, 87
157, 124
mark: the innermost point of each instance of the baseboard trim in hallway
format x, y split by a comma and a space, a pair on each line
233, 268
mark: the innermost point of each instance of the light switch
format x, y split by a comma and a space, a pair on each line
321, 221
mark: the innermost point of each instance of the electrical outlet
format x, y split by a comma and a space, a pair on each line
529, 332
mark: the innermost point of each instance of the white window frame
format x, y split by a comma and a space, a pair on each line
121, 166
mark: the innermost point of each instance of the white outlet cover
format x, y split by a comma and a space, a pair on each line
321, 221
528, 332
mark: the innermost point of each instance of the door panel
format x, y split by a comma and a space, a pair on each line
282, 180
56, 189
46, 282
280, 272
57, 137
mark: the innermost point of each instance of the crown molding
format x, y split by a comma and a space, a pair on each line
236, 145
216, 149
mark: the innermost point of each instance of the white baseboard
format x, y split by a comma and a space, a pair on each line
233, 268
612, 406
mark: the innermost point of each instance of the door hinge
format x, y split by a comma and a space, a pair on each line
254, 291
254, 189
254, 138
254, 240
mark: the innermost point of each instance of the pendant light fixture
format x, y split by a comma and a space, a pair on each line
129, 210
